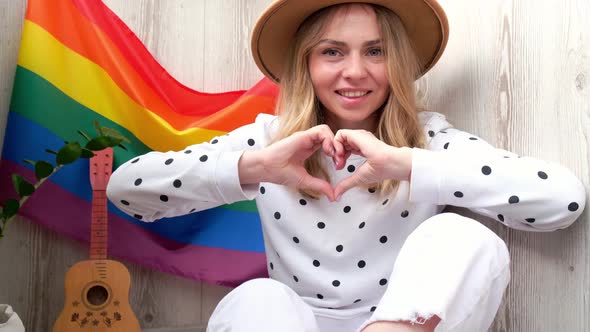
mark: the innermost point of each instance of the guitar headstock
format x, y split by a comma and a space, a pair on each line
101, 167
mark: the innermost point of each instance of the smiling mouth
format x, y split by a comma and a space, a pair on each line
353, 94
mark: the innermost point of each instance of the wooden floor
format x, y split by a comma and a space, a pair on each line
516, 73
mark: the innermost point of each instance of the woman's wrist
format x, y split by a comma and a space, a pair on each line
401, 163
250, 167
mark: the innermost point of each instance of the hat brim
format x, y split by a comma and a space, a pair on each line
424, 20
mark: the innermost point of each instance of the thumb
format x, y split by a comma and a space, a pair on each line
345, 185
318, 185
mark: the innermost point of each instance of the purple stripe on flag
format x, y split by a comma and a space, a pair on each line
66, 213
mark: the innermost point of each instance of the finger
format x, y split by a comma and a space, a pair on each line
345, 185
318, 185
328, 147
322, 134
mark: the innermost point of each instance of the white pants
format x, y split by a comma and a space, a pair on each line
450, 266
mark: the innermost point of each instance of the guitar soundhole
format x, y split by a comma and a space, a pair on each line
97, 295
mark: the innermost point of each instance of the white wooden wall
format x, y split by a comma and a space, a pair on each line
516, 72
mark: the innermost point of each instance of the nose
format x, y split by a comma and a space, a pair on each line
355, 68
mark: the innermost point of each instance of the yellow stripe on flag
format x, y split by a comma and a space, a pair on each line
88, 84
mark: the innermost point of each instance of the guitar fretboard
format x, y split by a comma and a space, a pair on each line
99, 225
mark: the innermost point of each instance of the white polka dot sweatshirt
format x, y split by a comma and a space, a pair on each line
340, 254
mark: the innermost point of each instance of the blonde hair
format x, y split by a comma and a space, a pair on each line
299, 109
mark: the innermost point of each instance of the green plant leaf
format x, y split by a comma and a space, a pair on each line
98, 143
84, 135
97, 127
87, 154
114, 133
113, 141
43, 169
22, 186
69, 153
9, 209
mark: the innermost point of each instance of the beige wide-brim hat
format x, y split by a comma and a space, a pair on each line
424, 20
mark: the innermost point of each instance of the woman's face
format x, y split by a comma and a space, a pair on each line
348, 69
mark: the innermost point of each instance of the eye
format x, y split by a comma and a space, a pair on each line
331, 52
375, 52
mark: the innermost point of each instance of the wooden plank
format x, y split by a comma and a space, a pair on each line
11, 20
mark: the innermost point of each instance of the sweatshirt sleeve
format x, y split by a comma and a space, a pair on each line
202, 176
524, 193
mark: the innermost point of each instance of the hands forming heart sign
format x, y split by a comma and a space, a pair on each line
283, 162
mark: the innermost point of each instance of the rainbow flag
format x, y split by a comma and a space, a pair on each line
78, 63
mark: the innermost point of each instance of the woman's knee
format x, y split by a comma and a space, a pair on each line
451, 232
255, 290
262, 305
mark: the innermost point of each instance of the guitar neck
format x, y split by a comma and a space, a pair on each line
99, 225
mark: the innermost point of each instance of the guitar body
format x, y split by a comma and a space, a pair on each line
97, 293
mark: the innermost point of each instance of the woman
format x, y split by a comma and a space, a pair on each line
350, 180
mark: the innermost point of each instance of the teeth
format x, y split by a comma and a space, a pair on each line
353, 94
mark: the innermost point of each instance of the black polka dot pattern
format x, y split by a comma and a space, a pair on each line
501, 218
347, 209
351, 168
405, 214
302, 202
164, 198
138, 182
543, 175
361, 264
373, 308
137, 216
203, 158
169, 161
339, 248
383, 239
136, 160
362, 225
277, 215
295, 239
530, 220
320, 296
573, 206
251, 142
321, 225
262, 190
177, 183
316, 263
383, 282
124, 202
446, 146
486, 170
513, 199
431, 133
336, 283
458, 194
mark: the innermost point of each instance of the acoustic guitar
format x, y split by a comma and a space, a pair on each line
97, 290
